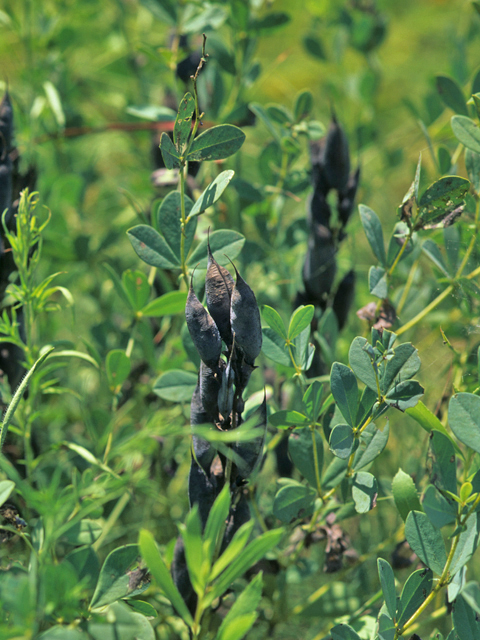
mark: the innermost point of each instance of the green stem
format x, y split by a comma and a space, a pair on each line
408, 285
400, 253
183, 224
427, 310
315, 462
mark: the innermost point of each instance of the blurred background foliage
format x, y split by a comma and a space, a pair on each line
78, 72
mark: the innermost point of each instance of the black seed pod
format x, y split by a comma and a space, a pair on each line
202, 491
6, 124
209, 384
204, 452
336, 158
226, 393
344, 297
346, 198
218, 292
320, 266
203, 330
5, 186
245, 320
318, 210
181, 578
251, 452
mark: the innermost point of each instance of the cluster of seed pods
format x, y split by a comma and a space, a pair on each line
228, 338
330, 172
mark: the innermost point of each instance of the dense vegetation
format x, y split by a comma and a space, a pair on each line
239, 289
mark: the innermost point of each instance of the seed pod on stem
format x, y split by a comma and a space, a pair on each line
320, 266
218, 292
203, 330
251, 451
245, 319
344, 297
204, 452
346, 198
336, 157
209, 383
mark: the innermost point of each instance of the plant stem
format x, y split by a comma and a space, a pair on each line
427, 310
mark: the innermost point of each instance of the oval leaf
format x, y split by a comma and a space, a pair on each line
169, 304
151, 247
426, 541
464, 419
341, 441
301, 445
212, 193
176, 385
216, 143
300, 320
467, 132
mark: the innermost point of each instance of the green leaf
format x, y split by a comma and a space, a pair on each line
85, 562
275, 321
216, 143
300, 320
334, 473
464, 419
471, 595
387, 582
414, 593
135, 284
373, 230
377, 282
273, 346
465, 621
250, 555
372, 443
169, 304
216, 521
442, 197
386, 627
169, 220
192, 538
294, 500
442, 462
270, 22
60, 632
404, 394
426, 541
159, 571
439, 510
118, 578
260, 112
241, 616
431, 249
145, 608
154, 113
428, 421
163, 10
303, 105
402, 366
212, 193
83, 532
312, 399
451, 94
341, 441
364, 491
343, 632
222, 242
314, 47
405, 494
176, 385
301, 449
467, 132
208, 16
288, 418
170, 155
303, 349
183, 122
344, 388
472, 164
234, 549
467, 544
118, 367
15, 401
6, 488
121, 622
152, 248
361, 364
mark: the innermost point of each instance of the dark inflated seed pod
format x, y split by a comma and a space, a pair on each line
346, 198
203, 330
251, 451
319, 180
218, 292
245, 320
239, 514
227, 391
318, 210
204, 452
320, 267
336, 157
344, 297
6, 124
202, 490
5, 187
209, 383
